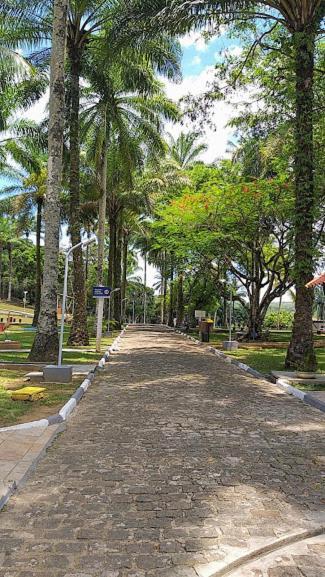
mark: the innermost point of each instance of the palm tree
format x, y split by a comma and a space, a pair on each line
29, 189
123, 114
86, 20
302, 21
45, 346
185, 149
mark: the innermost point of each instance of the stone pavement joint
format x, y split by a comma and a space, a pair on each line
175, 464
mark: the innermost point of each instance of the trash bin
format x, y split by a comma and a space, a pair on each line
204, 328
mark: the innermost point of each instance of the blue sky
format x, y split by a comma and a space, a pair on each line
199, 58
198, 54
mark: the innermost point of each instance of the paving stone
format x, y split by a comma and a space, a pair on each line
287, 571
175, 464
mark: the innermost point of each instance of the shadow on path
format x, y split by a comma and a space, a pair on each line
175, 464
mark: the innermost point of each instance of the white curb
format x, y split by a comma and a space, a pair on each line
71, 404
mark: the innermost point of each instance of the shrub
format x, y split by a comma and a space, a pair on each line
281, 320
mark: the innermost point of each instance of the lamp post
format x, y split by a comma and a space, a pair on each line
109, 308
81, 244
133, 312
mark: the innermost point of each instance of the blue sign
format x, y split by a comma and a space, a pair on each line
101, 292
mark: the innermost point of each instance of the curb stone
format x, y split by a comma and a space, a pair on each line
70, 405
281, 383
306, 397
56, 421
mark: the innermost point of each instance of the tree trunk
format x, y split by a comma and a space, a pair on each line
102, 182
118, 271
102, 179
180, 299
279, 312
145, 289
111, 251
1, 269
9, 272
124, 263
79, 331
301, 354
224, 311
171, 298
163, 289
46, 342
38, 284
255, 324
87, 259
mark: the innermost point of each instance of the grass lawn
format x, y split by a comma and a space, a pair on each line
275, 336
264, 360
267, 360
14, 412
81, 355
309, 387
5, 306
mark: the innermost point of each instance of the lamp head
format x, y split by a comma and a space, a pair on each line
88, 241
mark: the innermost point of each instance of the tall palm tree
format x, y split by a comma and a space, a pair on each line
45, 346
186, 149
87, 21
123, 114
302, 22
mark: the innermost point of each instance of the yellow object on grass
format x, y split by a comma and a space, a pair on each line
28, 394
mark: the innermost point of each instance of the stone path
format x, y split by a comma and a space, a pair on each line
176, 464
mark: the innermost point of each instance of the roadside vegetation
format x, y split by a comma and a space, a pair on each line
15, 412
247, 228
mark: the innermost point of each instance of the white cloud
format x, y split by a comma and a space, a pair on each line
37, 112
235, 50
216, 136
196, 40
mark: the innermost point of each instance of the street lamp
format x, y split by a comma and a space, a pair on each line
109, 307
81, 244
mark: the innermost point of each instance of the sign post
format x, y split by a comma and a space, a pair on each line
101, 293
100, 313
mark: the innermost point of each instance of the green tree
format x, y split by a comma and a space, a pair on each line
123, 117
301, 20
29, 188
185, 149
243, 227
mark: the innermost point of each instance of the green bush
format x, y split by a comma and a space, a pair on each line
281, 320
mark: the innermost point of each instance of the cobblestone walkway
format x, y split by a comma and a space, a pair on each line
176, 464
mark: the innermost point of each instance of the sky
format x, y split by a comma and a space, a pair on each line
199, 59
